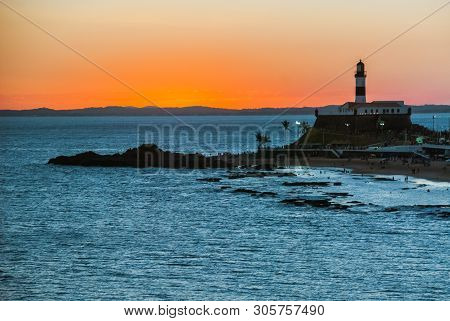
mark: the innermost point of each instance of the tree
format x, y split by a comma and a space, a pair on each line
304, 127
262, 140
285, 124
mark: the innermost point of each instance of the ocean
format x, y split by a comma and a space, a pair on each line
74, 233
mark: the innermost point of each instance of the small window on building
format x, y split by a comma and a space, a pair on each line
377, 111
392, 110
366, 111
398, 110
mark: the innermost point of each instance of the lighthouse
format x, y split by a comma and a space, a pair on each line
360, 76
360, 116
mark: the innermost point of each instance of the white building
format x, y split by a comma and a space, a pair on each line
373, 108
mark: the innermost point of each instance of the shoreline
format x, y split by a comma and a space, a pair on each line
437, 171
149, 155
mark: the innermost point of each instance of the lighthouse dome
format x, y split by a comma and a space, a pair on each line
360, 66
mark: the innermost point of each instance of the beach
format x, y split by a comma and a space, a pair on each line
436, 170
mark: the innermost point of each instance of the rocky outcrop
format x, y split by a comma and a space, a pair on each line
147, 155
261, 174
315, 201
307, 183
261, 163
245, 190
254, 193
209, 179
338, 194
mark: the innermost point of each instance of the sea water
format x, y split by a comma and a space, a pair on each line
75, 233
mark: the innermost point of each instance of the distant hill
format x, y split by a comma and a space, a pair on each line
430, 109
191, 111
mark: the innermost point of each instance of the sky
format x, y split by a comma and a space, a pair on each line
220, 53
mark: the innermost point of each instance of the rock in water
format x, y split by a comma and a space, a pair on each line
210, 179
147, 155
306, 183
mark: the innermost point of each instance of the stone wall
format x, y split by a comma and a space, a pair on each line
363, 123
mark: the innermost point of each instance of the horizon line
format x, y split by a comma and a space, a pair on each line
201, 106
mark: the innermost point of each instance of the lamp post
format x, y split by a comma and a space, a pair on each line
347, 125
434, 116
382, 126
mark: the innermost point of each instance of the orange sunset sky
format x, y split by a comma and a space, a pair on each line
232, 54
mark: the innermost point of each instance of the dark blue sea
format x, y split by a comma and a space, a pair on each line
74, 233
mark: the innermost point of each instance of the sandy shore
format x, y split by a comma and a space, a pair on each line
437, 171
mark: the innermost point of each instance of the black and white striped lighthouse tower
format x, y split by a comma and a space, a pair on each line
360, 77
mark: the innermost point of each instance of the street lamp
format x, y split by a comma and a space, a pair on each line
346, 125
434, 116
382, 126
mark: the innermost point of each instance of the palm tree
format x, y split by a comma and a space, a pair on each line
285, 124
265, 140
304, 127
258, 136
262, 140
